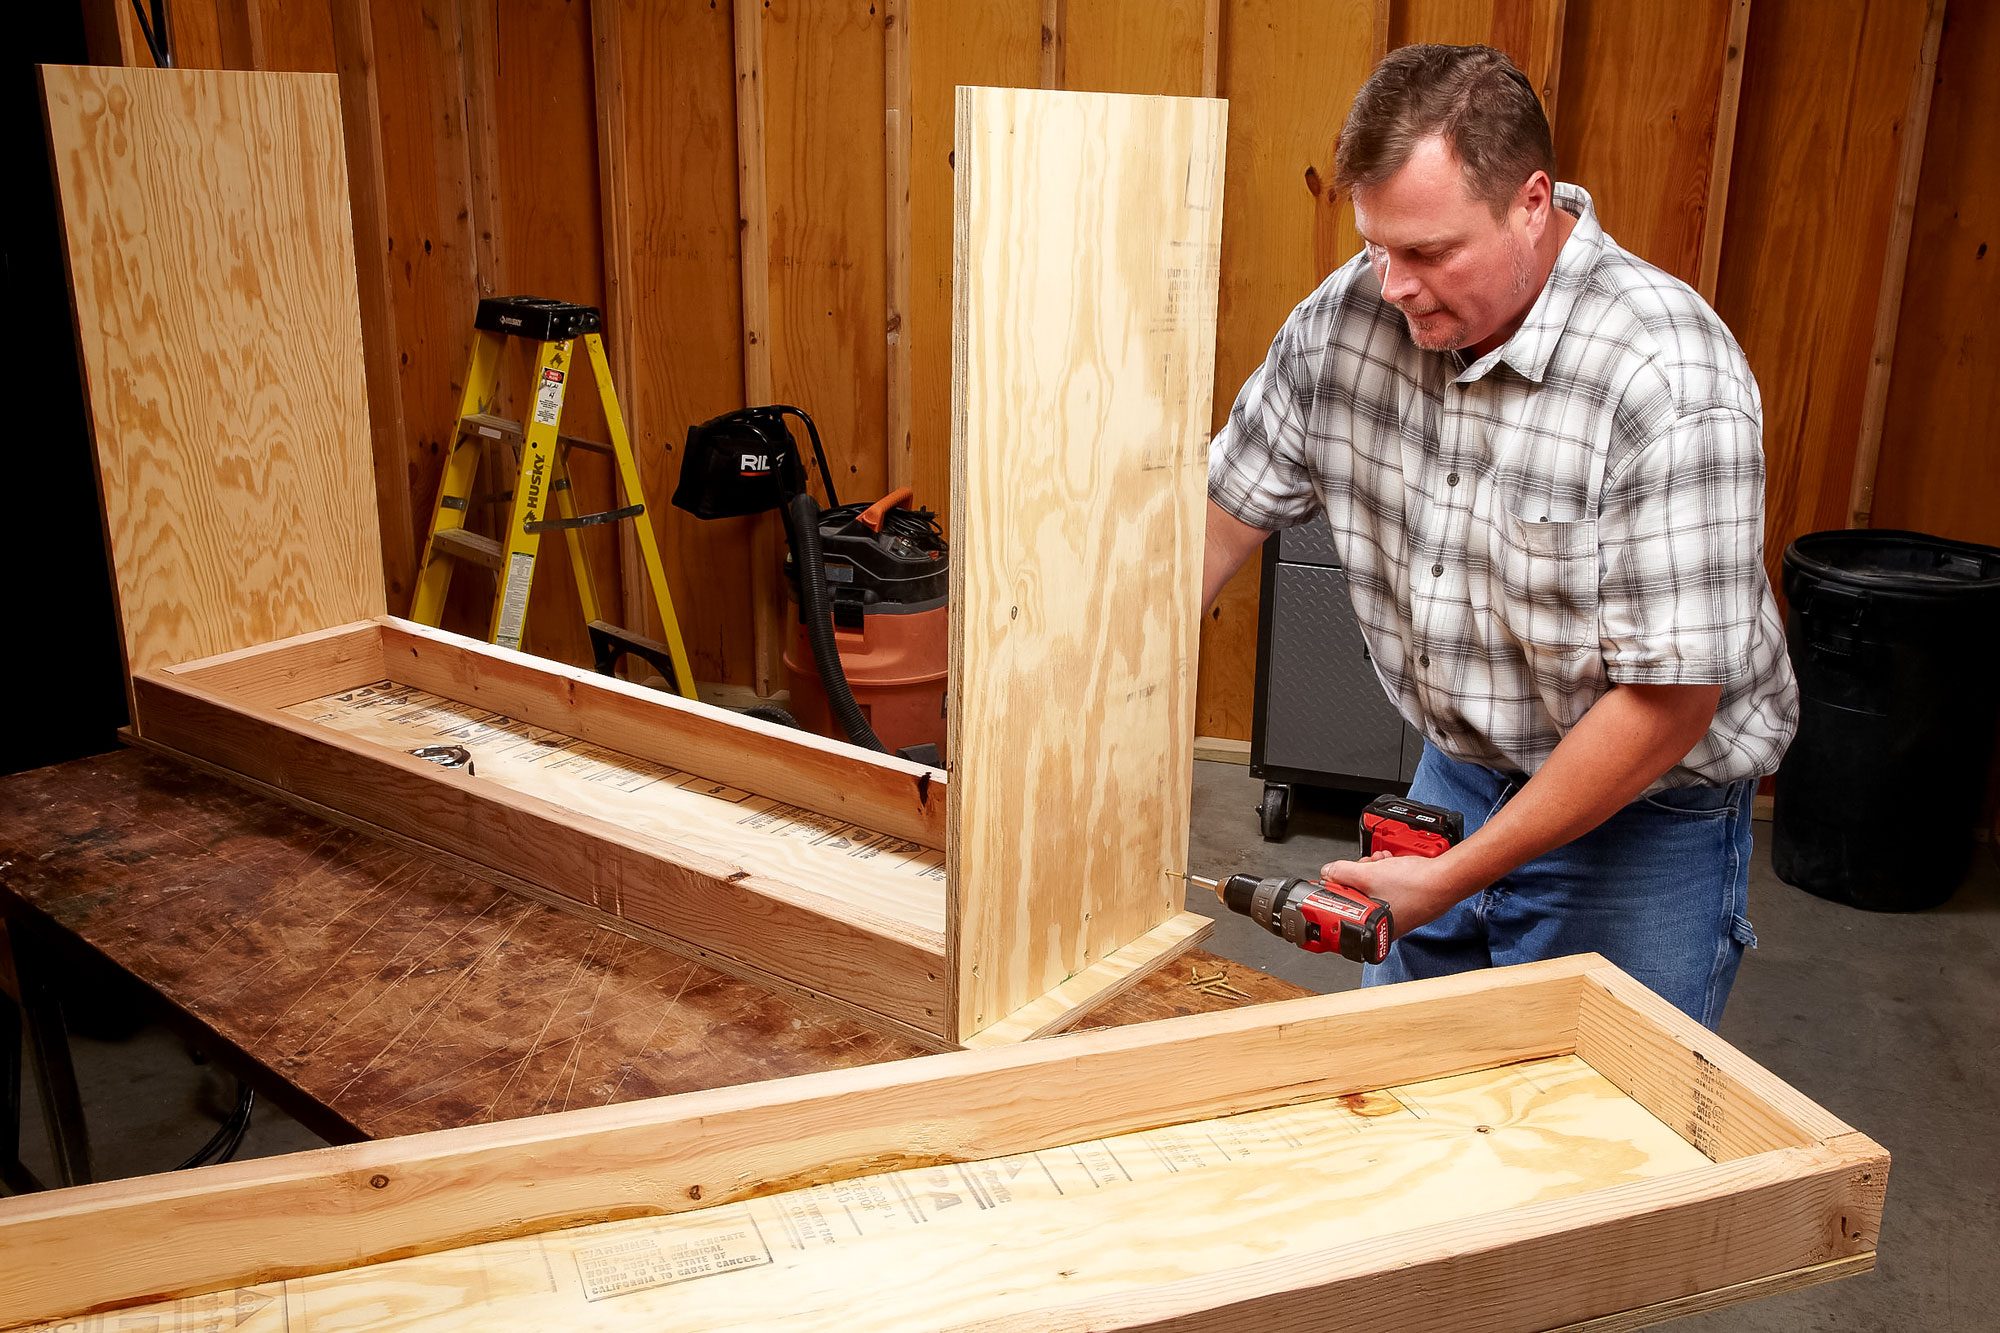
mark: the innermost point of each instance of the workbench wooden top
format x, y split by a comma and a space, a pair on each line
391, 993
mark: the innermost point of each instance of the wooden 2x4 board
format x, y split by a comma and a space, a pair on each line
211, 257
1532, 1147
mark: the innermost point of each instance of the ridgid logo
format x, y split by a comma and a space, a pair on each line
756, 465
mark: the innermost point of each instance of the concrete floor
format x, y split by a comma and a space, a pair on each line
1891, 1022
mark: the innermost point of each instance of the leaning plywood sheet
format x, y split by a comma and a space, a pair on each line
1089, 230
211, 259
1520, 1149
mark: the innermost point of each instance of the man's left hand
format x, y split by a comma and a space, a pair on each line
1418, 889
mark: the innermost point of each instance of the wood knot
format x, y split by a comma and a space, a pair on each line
694, 1191
378, 1182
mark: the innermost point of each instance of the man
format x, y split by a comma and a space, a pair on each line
1541, 461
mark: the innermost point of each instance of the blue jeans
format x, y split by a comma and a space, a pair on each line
1661, 889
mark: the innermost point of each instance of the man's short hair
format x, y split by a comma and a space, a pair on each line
1474, 97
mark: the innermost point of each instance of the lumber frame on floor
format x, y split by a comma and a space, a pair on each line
1789, 1189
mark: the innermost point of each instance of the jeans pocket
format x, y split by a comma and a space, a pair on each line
1699, 802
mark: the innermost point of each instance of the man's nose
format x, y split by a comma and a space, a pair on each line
1397, 284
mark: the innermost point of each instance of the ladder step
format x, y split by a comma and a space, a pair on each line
463, 545
502, 428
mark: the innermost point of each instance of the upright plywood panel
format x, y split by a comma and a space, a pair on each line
1290, 71
1643, 74
1089, 237
212, 263
1940, 463
686, 354
993, 43
1817, 147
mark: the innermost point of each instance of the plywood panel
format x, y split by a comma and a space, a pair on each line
824, 177
686, 352
1290, 71
1940, 464
1134, 46
546, 138
1645, 75
1089, 235
212, 263
992, 43
1529, 31
1817, 146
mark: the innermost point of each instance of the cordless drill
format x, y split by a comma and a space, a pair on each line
1325, 917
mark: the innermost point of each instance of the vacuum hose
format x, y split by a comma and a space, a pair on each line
816, 606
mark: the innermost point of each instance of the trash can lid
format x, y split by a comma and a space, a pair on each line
1911, 564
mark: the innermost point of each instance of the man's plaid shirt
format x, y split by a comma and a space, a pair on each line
1582, 506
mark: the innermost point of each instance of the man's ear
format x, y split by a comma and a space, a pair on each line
1535, 202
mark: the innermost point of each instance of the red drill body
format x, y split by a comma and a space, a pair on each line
1324, 917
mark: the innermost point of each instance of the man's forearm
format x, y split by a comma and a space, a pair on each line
1627, 739
1620, 746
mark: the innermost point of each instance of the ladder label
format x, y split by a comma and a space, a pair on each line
514, 600
548, 398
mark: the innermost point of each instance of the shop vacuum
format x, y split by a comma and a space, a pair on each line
869, 582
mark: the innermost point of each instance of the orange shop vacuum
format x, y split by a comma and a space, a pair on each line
869, 652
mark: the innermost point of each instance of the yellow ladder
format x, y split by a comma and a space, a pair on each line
543, 475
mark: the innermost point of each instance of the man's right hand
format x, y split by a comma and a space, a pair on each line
1228, 544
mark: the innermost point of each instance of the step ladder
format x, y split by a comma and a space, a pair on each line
542, 476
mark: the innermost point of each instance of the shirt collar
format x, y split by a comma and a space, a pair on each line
1529, 350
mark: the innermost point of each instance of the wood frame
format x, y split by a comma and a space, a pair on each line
883, 960
1789, 1196
857, 905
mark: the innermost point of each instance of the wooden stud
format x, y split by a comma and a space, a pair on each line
900, 461
753, 213
1725, 148
477, 66
361, 118
1055, 23
1895, 267
1211, 49
614, 202
240, 25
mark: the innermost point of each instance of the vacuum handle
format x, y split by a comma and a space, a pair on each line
873, 515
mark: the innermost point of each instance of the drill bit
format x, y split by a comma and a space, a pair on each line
1213, 886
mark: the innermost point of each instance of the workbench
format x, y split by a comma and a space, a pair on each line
372, 990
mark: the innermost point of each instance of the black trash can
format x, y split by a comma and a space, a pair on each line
1894, 637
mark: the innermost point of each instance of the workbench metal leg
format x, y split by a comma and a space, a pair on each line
48, 1044
14, 1175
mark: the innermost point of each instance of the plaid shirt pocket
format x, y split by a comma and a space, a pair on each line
1546, 583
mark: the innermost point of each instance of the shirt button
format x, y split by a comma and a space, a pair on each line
1451, 479
1437, 571
1424, 660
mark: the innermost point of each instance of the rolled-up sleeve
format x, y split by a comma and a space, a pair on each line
1681, 543
1257, 468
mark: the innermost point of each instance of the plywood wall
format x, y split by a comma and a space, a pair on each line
761, 199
